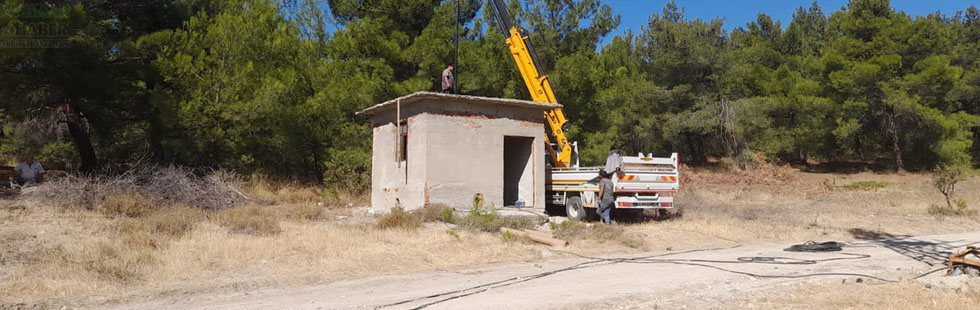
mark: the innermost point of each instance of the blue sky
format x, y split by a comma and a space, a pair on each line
736, 13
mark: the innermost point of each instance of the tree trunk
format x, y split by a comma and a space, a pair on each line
728, 134
897, 149
317, 165
891, 127
696, 151
81, 139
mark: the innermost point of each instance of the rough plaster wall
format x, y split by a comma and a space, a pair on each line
468, 146
455, 150
391, 180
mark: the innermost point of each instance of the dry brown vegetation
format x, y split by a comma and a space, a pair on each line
133, 243
213, 190
784, 205
265, 191
250, 221
597, 233
883, 296
399, 218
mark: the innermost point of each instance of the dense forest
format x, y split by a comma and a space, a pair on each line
271, 87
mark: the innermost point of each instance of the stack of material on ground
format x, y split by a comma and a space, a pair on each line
536, 236
966, 261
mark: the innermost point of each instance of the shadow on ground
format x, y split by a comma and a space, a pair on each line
932, 253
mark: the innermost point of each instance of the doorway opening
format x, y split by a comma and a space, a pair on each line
518, 172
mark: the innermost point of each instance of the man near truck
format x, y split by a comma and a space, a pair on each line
614, 163
606, 198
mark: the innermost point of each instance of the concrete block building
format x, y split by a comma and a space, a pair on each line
441, 148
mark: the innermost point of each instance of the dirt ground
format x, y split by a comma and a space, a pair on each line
54, 258
719, 278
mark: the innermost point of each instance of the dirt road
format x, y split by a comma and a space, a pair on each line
665, 279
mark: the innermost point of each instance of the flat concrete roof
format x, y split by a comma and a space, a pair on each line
417, 96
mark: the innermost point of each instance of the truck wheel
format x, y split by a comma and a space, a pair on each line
574, 209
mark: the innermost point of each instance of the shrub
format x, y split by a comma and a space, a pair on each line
437, 213
508, 236
945, 179
860, 186
958, 207
250, 220
452, 233
448, 215
493, 223
215, 190
481, 212
398, 218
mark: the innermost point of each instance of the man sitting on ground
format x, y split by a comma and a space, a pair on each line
30, 172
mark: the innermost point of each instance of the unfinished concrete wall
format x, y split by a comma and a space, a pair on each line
455, 150
401, 182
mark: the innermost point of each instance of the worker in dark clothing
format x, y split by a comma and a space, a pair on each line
448, 81
614, 163
606, 198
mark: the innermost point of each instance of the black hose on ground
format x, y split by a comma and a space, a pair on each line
653, 259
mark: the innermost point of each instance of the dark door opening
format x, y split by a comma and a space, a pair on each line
518, 172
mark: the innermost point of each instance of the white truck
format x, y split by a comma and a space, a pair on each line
646, 182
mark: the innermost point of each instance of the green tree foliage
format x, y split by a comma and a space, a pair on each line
271, 86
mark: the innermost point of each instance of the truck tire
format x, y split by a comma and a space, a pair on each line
574, 209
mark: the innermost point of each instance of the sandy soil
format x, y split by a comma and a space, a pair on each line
52, 258
698, 279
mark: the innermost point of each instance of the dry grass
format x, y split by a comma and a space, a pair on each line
265, 191
438, 213
306, 211
958, 207
126, 204
214, 190
74, 257
902, 295
488, 220
799, 207
172, 221
572, 231
860, 186
250, 221
399, 218
80, 256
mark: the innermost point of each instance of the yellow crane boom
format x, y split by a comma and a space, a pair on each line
537, 84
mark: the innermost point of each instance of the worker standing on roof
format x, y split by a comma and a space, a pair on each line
614, 163
448, 81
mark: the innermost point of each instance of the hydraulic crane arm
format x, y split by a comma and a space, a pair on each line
537, 84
